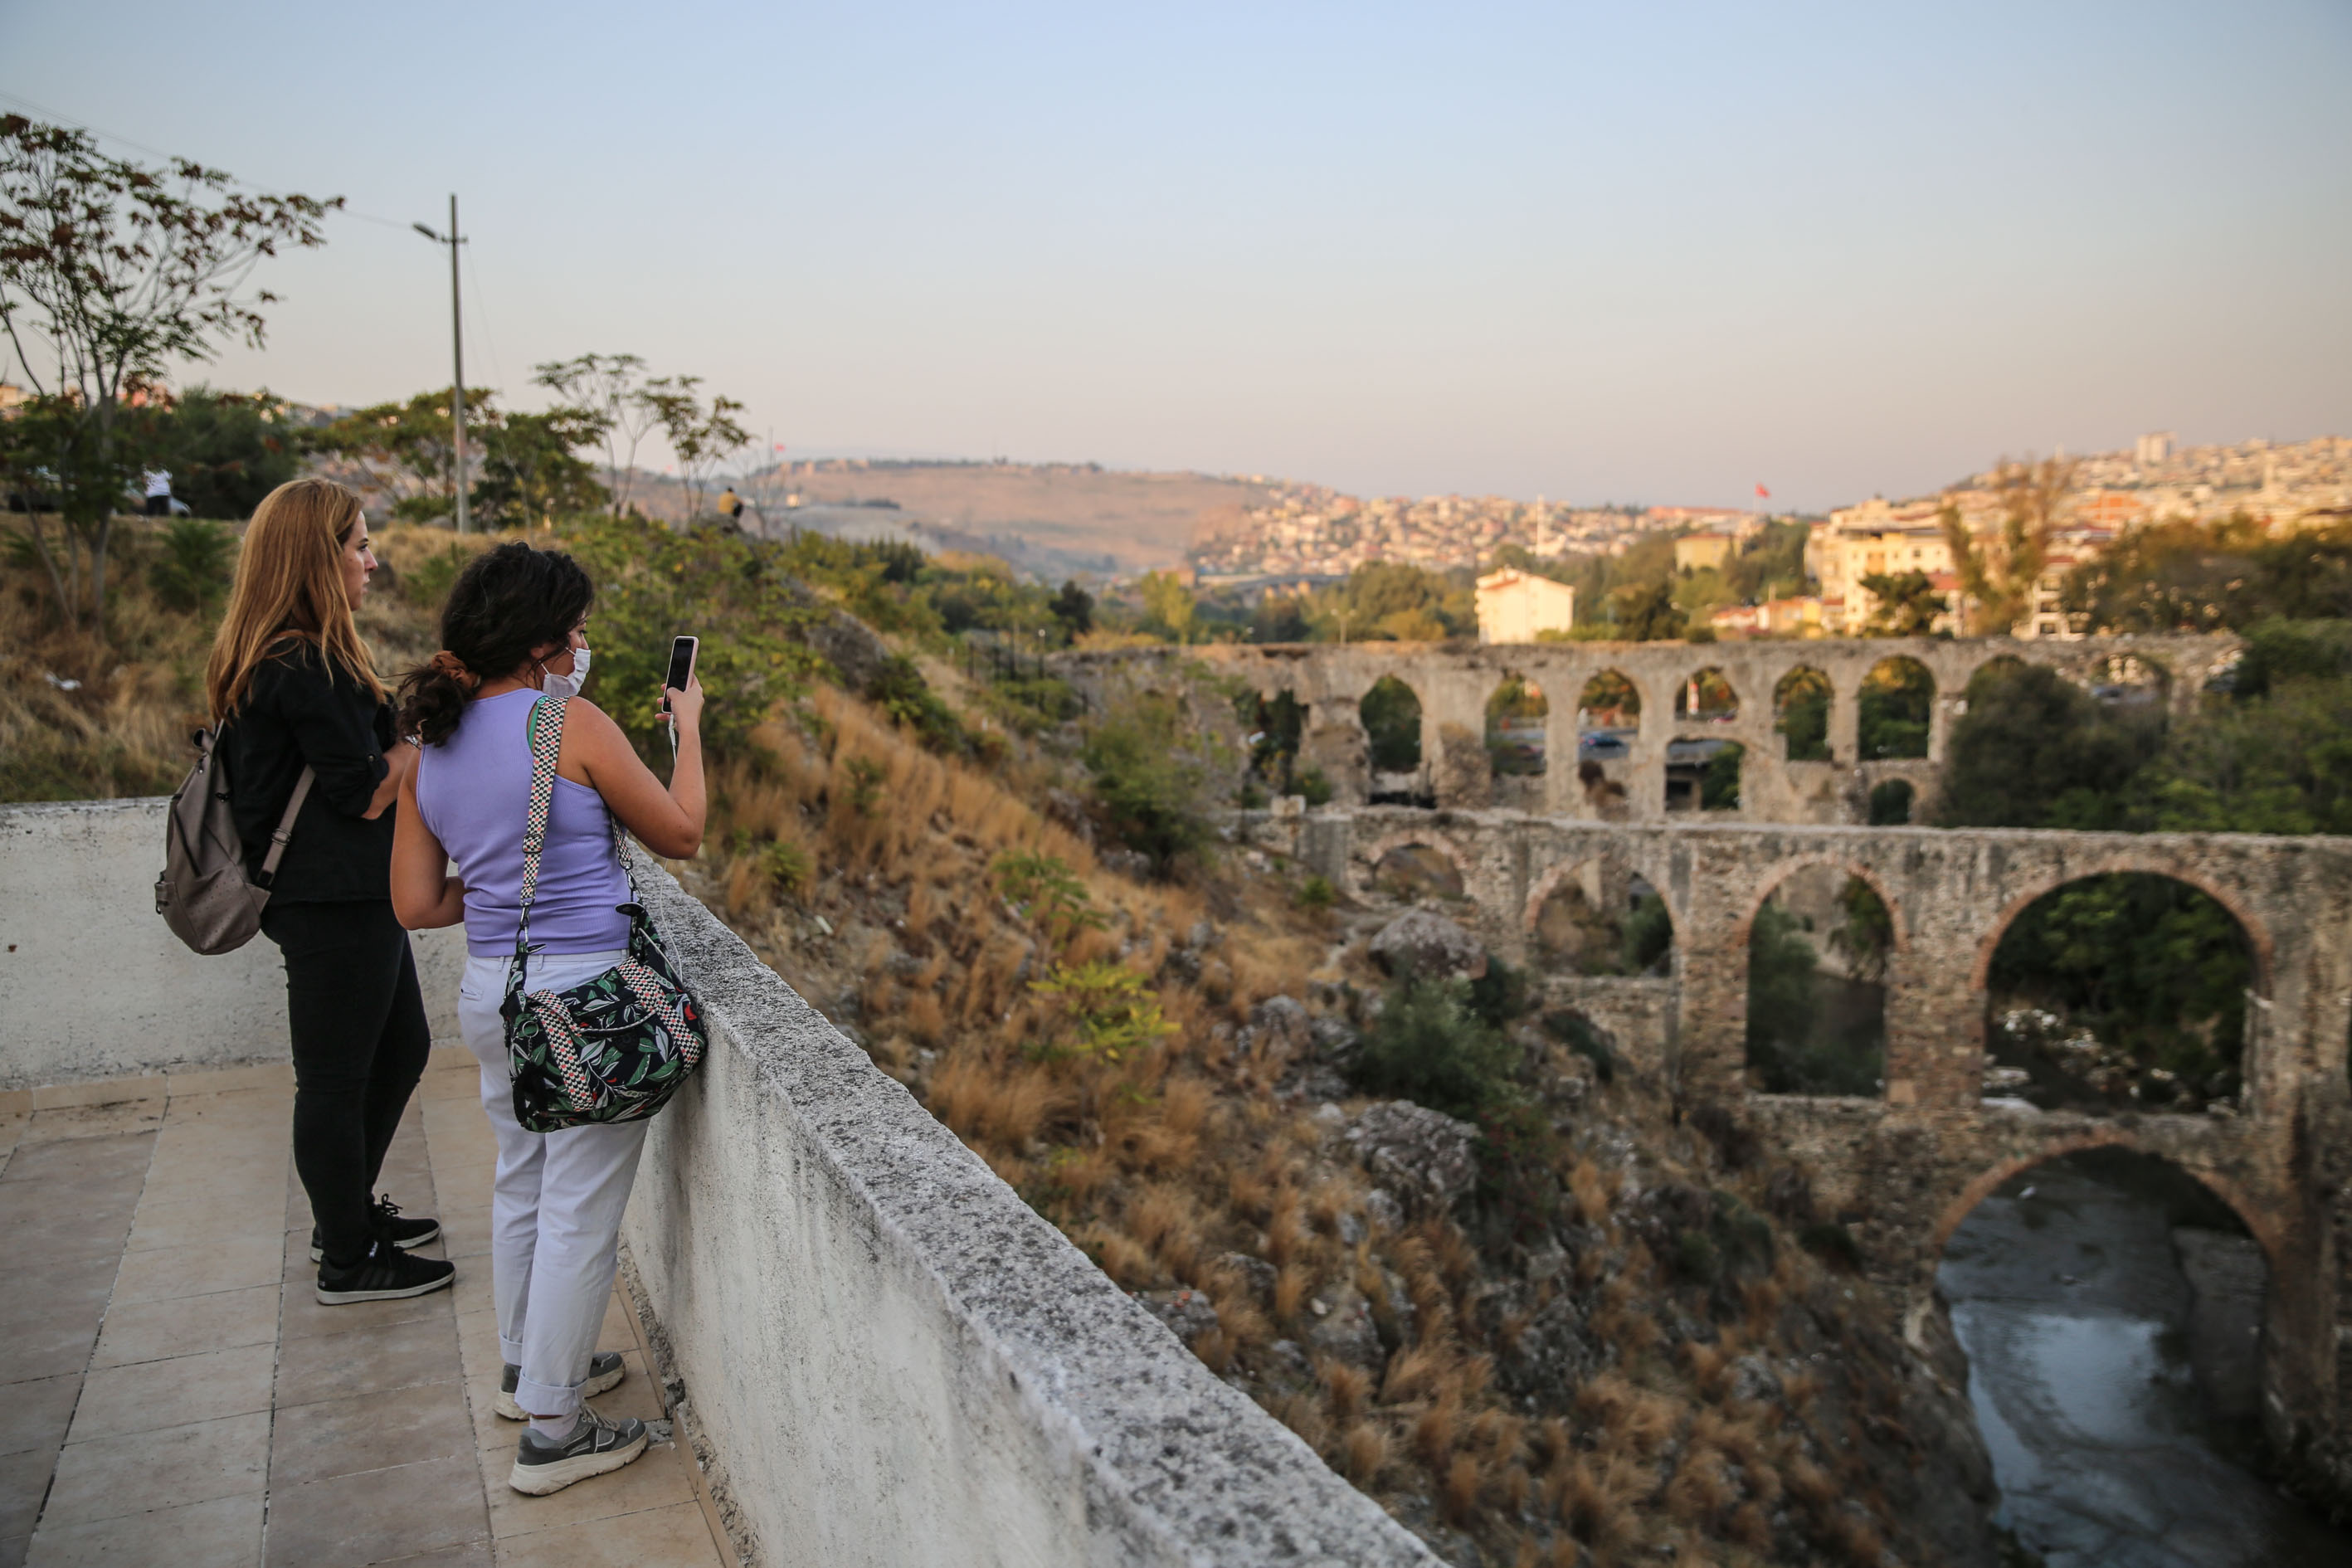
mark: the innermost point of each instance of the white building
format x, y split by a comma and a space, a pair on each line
1514, 605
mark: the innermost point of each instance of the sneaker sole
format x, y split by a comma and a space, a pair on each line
538, 1480
344, 1298
318, 1254
509, 1411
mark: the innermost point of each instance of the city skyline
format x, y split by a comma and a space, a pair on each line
1575, 254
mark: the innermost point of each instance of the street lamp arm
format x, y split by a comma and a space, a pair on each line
428, 234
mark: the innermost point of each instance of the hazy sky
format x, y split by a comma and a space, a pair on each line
1653, 251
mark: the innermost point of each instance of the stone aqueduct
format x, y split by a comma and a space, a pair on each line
1453, 683
1904, 1167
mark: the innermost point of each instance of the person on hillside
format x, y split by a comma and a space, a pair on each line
513, 632
730, 506
291, 686
158, 493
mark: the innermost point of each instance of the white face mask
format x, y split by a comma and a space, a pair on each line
569, 685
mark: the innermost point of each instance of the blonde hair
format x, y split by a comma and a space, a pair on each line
289, 588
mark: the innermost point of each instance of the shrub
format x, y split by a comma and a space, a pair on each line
787, 865
1151, 789
1430, 1046
1312, 784
193, 569
1113, 1008
1317, 893
1044, 890
899, 690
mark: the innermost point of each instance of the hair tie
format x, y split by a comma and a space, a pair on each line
449, 664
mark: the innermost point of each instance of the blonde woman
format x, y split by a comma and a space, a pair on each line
291, 686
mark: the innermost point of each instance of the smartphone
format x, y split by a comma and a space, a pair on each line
682, 666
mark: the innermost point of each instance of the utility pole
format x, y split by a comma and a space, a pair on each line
458, 356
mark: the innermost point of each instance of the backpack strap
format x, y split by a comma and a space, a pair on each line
286, 828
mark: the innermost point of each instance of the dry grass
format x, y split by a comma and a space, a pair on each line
1345, 1386
1364, 1453
1003, 1104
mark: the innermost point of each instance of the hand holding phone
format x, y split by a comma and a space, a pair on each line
680, 675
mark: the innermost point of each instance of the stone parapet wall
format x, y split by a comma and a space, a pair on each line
94, 985
897, 1361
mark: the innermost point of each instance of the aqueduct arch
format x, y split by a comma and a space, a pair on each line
1900, 1169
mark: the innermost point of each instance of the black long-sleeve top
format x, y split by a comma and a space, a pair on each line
302, 708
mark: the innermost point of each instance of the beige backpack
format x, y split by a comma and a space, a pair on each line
203, 894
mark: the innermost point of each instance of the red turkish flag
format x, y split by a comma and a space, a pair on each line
1762, 493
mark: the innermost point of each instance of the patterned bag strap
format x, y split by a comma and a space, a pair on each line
545, 728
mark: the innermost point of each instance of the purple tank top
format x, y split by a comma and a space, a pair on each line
473, 790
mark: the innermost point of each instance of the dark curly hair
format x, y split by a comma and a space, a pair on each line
506, 603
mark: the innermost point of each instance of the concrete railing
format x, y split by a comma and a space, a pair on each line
889, 1358
94, 985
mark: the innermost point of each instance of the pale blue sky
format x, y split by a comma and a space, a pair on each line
1626, 251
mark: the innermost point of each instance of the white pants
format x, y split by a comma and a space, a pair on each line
555, 1213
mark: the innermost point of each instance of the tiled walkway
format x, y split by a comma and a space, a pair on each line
171, 1394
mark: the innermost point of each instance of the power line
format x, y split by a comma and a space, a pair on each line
21, 102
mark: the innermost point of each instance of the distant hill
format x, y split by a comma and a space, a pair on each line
1051, 520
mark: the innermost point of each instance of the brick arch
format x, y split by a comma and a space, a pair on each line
2260, 1222
1782, 870
1428, 838
2258, 936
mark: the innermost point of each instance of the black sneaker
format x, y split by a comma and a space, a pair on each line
595, 1445
385, 1216
385, 1274
605, 1371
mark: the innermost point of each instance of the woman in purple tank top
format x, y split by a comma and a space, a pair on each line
513, 631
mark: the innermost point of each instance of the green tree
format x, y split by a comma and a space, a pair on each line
2035, 750
1907, 604
1430, 1046
1074, 607
2182, 575
226, 450
1391, 715
1646, 611
408, 448
528, 474
1801, 702
1168, 605
611, 388
701, 436
1897, 702
110, 273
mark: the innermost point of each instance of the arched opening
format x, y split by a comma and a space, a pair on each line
2130, 680
1586, 927
1801, 703
2120, 992
1817, 955
1705, 696
1391, 712
1702, 774
2113, 1308
1608, 718
1411, 872
1898, 696
1516, 716
1890, 803
1278, 725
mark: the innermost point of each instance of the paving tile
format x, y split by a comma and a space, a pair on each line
109, 1476
24, 1480
305, 1318
658, 1478
472, 1554
36, 1414
376, 1516
272, 1080
620, 1329
637, 1394
147, 1395
87, 1121
168, 1273
12, 1551
208, 1221
471, 1291
52, 1287
57, 1220
466, 1232
152, 1331
368, 1361
99, 1092
221, 1532
83, 1160
369, 1432
677, 1536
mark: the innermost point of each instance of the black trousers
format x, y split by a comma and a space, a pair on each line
361, 1040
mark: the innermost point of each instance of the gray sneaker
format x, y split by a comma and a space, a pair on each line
596, 1445
605, 1371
